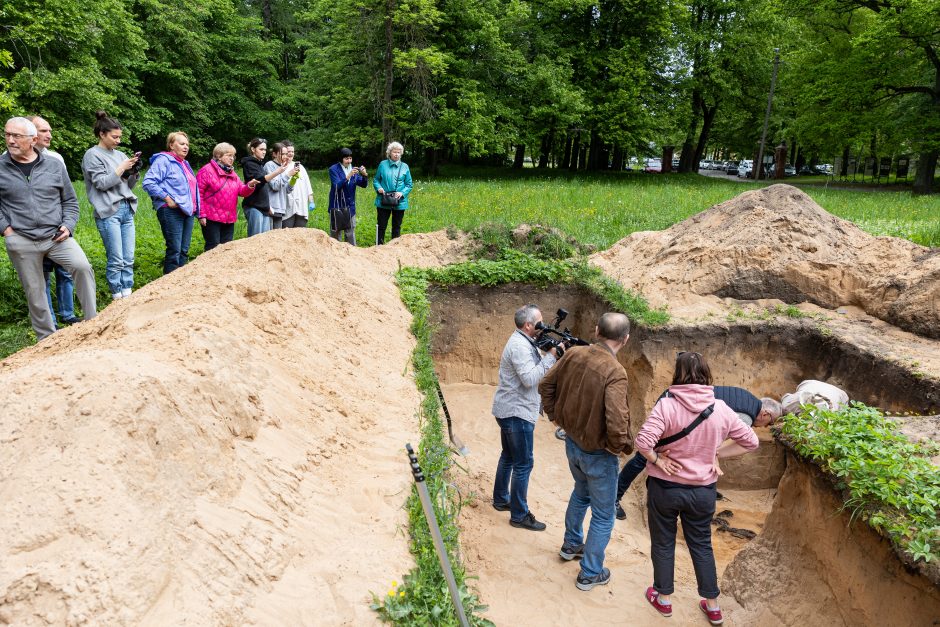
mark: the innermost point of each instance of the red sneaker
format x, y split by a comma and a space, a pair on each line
714, 616
653, 597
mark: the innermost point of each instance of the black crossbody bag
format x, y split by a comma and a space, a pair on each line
675, 437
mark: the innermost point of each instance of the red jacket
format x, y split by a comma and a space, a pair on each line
219, 191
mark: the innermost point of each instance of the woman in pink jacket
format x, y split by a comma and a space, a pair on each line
219, 188
682, 477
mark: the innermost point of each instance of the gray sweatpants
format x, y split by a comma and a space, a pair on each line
26, 255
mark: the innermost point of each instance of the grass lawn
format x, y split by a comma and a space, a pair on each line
596, 209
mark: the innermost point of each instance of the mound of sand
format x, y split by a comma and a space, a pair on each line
224, 447
777, 243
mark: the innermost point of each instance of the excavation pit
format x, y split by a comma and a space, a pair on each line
518, 571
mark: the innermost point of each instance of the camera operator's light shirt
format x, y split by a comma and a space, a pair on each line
521, 368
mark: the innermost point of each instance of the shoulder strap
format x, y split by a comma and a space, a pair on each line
688, 429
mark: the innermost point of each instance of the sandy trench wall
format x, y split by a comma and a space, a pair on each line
812, 566
224, 447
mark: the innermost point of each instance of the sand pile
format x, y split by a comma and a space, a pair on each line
224, 447
777, 243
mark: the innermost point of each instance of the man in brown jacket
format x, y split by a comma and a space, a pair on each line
586, 394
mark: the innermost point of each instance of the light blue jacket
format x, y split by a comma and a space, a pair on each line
166, 177
393, 176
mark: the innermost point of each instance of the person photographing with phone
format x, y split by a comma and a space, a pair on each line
110, 178
281, 169
344, 178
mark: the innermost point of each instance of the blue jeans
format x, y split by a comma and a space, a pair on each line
631, 470
595, 484
515, 465
258, 221
117, 234
64, 293
177, 230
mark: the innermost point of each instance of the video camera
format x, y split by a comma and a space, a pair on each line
544, 341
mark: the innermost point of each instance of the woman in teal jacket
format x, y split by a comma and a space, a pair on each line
392, 183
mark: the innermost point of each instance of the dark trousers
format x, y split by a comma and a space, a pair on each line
384, 213
177, 230
294, 222
695, 506
216, 233
631, 470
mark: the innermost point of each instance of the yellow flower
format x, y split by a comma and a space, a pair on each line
394, 583
402, 593
391, 593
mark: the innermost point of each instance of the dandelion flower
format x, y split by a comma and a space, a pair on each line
402, 593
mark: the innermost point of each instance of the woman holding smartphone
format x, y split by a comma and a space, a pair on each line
110, 177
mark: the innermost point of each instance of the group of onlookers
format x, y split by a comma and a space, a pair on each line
39, 208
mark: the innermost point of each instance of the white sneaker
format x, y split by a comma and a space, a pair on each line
125, 292
117, 295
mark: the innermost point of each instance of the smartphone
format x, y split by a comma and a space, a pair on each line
137, 154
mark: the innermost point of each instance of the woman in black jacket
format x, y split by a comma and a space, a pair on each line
257, 206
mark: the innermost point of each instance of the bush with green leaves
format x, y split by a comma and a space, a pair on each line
890, 480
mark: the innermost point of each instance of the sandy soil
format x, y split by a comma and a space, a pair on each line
521, 577
224, 447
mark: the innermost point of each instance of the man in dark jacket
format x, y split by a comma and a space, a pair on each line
586, 395
38, 213
753, 411
344, 179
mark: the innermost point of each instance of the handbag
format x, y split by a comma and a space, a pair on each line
340, 216
390, 200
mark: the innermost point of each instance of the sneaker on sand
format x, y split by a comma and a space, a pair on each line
714, 616
72, 320
569, 552
125, 292
586, 583
501, 507
621, 515
653, 597
528, 522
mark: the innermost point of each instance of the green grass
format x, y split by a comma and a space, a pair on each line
595, 209
891, 482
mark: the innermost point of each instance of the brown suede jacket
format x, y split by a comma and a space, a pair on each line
585, 393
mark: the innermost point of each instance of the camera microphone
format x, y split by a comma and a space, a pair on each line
539, 326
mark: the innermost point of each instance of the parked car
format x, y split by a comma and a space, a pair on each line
745, 167
731, 168
653, 165
789, 170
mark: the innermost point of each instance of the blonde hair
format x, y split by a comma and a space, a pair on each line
222, 149
172, 137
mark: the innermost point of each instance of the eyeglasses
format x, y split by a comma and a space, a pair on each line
15, 136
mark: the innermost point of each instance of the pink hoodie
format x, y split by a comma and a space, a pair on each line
696, 452
219, 191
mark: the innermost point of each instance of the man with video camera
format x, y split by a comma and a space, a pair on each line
516, 407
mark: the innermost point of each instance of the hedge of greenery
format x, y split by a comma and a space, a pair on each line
890, 481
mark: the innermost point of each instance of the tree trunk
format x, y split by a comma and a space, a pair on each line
575, 151
566, 157
708, 118
617, 165
389, 75
519, 161
430, 161
593, 156
547, 140
926, 165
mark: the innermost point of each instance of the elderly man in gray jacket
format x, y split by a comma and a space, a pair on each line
38, 213
516, 407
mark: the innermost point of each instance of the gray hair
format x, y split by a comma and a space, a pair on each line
391, 147
524, 314
772, 407
30, 127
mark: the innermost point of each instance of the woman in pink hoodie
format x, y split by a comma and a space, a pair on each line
682, 477
220, 187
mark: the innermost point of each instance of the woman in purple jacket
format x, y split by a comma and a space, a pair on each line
171, 184
683, 475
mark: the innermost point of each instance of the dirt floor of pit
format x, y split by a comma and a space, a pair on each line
520, 575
